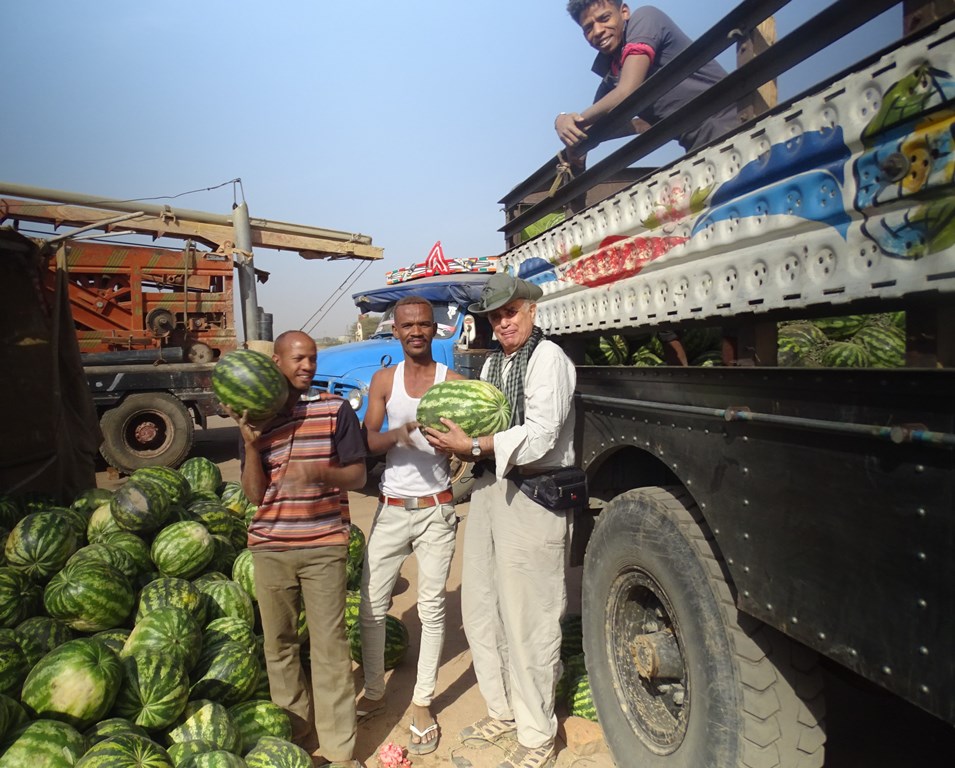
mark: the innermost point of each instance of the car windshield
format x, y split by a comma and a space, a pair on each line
445, 316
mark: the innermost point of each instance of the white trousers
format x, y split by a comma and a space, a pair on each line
396, 532
513, 595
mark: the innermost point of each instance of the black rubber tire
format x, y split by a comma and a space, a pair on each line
145, 430
750, 696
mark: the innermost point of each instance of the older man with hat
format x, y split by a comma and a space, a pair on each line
513, 592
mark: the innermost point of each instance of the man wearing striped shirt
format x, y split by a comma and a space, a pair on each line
298, 469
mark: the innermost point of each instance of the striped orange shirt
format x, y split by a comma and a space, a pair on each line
314, 514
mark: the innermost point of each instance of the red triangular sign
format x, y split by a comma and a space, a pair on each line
436, 264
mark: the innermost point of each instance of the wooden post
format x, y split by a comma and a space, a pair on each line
749, 47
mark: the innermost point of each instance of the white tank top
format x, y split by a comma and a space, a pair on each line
416, 470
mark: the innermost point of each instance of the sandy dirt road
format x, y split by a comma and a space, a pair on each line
867, 728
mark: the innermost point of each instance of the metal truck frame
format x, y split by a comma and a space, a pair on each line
751, 518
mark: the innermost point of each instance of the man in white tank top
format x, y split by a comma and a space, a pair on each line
415, 514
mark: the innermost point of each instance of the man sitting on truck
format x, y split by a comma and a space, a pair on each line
415, 514
630, 48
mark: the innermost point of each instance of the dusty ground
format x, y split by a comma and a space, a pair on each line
867, 728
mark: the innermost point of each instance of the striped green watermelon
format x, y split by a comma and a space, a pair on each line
612, 350
233, 498
168, 591
126, 751
262, 690
48, 632
76, 682
799, 344
134, 546
571, 635
258, 718
219, 758
226, 598
13, 718
89, 596
33, 650
169, 629
10, 511
203, 476
840, 328
643, 358
243, 572
478, 407
709, 359
699, 341
113, 726
573, 668
227, 674
249, 381
271, 752
155, 688
181, 751
78, 520
396, 641
352, 603
92, 499
101, 522
228, 629
223, 554
581, 700
215, 517
40, 544
140, 506
120, 559
885, 345
175, 485
46, 743
355, 563
114, 638
845, 354
207, 721
14, 588
13, 664
182, 550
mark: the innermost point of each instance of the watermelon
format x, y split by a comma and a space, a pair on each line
203, 476
258, 718
207, 721
172, 630
173, 483
226, 598
396, 641
48, 632
885, 345
243, 572
181, 751
89, 596
114, 639
840, 328
356, 557
101, 522
33, 650
611, 350
78, 521
182, 549
215, 517
155, 688
227, 674
478, 407
228, 629
250, 382
47, 744
352, 604
13, 718
799, 344
581, 700
645, 359
233, 498
40, 544
168, 591
114, 556
134, 546
272, 752
223, 554
126, 751
89, 501
573, 668
571, 635
113, 726
76, 682
140, 506
10, 511
219, 758
13, 664
262, 690
14, 587
845, 354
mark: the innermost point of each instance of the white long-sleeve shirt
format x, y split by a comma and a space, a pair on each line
546, 438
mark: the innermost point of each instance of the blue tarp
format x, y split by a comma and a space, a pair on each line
461, 289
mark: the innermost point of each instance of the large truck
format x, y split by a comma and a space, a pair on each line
151, 320
756, 514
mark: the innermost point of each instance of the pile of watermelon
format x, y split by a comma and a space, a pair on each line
129, 631
573, 688
847, 341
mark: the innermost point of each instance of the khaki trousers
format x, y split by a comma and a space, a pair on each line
314, 578
396, 532
513, 595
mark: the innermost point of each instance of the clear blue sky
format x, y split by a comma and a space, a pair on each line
404, 121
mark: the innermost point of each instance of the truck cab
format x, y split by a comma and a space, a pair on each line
460, 343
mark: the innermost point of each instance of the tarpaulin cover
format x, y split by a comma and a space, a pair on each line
462, 289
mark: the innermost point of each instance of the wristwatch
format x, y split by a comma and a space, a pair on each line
475, 446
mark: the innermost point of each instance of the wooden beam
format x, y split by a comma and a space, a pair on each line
750, 46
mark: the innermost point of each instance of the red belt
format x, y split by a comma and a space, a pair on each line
445, 497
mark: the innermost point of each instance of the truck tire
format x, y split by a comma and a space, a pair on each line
679, 676
145, 430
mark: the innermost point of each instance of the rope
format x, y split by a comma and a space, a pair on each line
565, 173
